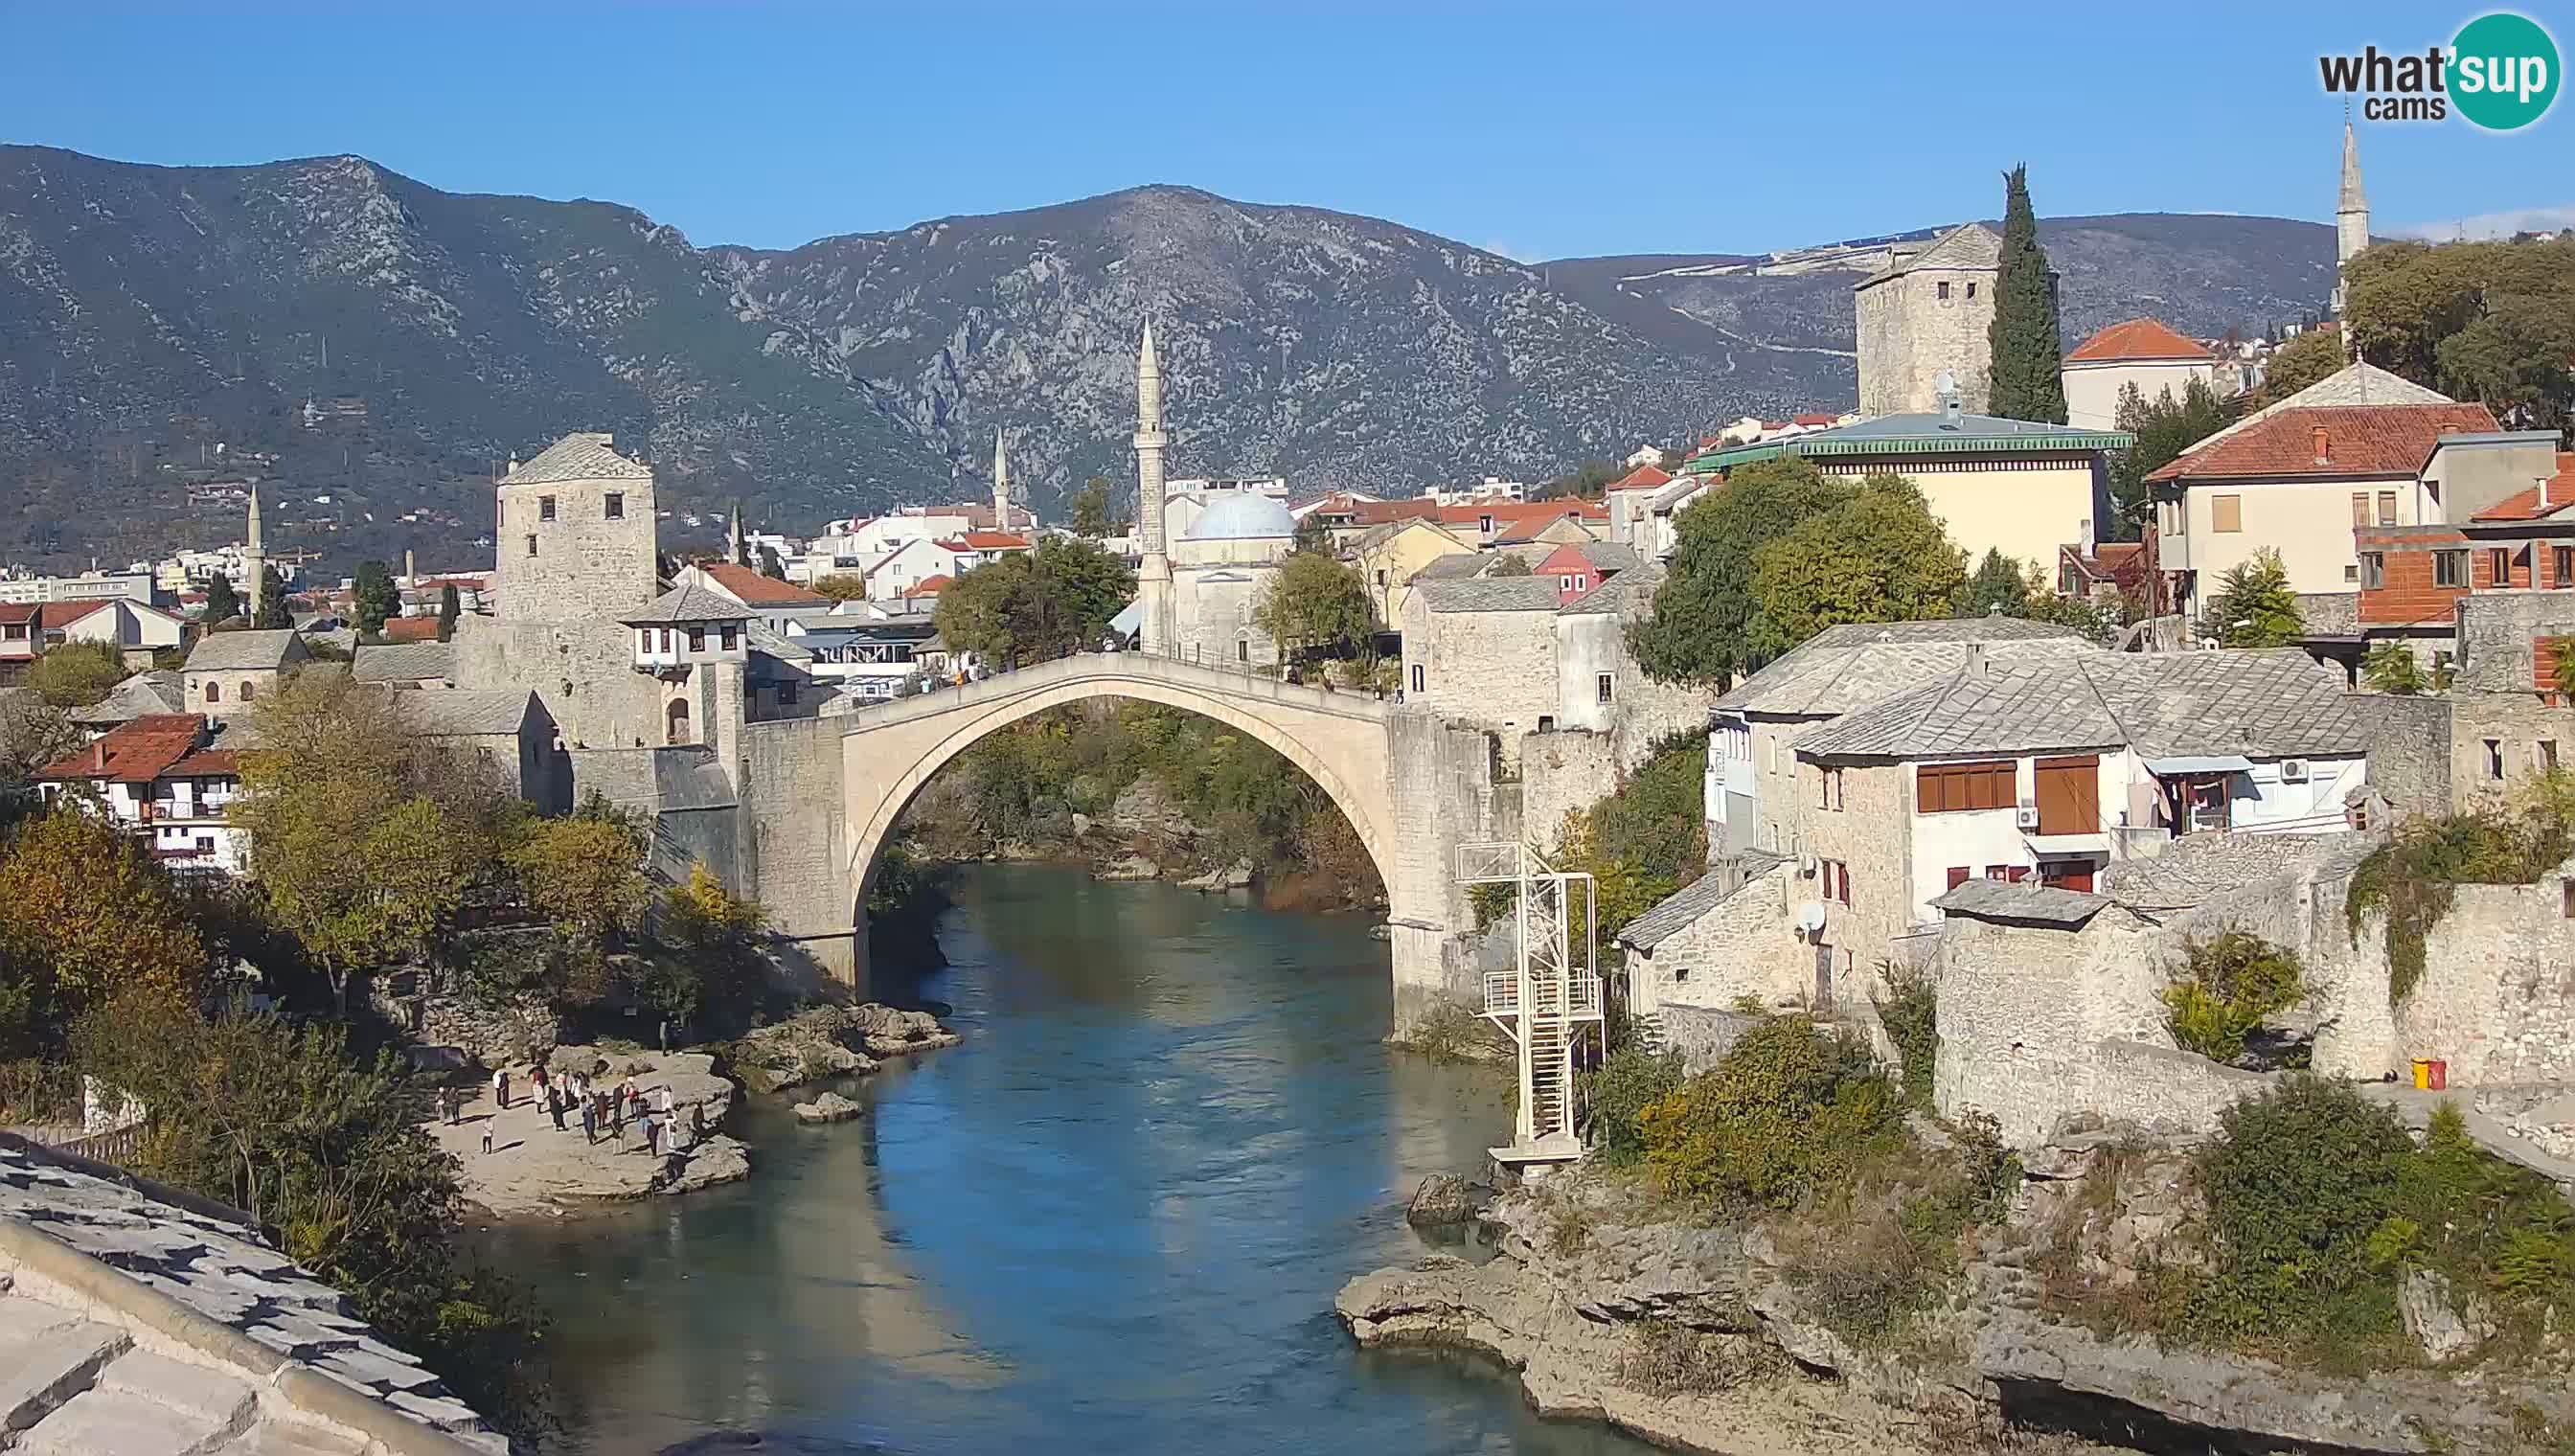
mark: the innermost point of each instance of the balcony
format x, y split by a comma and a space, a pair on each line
1582, 1001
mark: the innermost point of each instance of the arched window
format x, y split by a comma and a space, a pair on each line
677, 722
248, 691
214, 692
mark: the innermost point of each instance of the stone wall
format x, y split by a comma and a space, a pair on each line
1744, 945
1868, 834
2409, 751
2501, 742
793, 853
2496, 633
586, 567
1494, 669
1442, 783
2497, 997
1561, 772
1700, 1035
1909, 334
582, 670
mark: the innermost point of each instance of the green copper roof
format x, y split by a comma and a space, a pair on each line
1900, 436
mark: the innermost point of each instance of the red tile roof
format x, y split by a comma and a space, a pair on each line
2359, 439
2137, 338
1815, 419
1523, 516
1379, 513
64, 614
16, 611
2526, 505
987, 541
927, 585
1646, 476
751, 589
411, 628
133, 752
207, 763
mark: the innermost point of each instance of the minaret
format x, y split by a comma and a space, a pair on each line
2351, 219
733, 537
1000, 484
1153, 574
255, 559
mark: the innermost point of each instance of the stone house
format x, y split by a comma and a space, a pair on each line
144, 692
1927, 311
405, 665
1629, 501
227, 671
1484, 651
2011, 485
2145, 352
511, 729
772, 600
1579, 566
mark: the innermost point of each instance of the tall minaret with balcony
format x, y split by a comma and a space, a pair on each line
254, 561
1000, 484
2352, 224
1153, 574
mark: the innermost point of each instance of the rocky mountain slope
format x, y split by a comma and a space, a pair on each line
149, 314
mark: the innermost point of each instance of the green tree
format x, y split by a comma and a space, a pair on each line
274, 613
2254, 607
715, 937
1508, 563
2488, 321
1881, 555
1092, 517
1700, 629
451, 606
377, 599
770, 566
1055, 598
2304, 360
84, 917
1314, 603
2165, 429
1313, 537
2391, 666
1588, 480
77, 673
1997, 588
33, 733
842, 587
222, 603
2027, 351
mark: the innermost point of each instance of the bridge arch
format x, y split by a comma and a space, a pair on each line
1340, 740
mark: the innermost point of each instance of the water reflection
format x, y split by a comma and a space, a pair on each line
1114, 1219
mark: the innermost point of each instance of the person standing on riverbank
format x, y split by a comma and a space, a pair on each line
589, 1121
501, 1088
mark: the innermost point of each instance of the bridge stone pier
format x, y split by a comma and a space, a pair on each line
1412, 788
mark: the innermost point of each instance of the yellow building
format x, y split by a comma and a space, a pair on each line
1388, 556
2011, 485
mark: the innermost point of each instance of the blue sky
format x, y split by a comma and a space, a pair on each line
1539, 131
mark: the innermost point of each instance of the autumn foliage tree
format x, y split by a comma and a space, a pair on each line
85, 915
585, 871
77, 673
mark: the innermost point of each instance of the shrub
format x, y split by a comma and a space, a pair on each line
1449, 1031
2411, 877
1622, 1087
1788, 1111
1665, 1357
2233, 985
1910, 1012
1890, 1248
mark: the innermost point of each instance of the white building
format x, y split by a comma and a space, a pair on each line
156, 777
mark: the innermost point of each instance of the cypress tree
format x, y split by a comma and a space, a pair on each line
2026, 353
450, 606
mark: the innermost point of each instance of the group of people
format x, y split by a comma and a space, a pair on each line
602, 1109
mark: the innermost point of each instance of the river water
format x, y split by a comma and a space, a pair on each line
1113, 1220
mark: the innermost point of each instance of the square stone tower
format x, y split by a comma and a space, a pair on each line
577, 540
1927, 311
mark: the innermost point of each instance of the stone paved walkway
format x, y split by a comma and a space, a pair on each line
533, 1169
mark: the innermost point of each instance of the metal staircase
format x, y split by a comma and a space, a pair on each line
1547, 1001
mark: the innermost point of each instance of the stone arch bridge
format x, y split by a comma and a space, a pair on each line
1408, 785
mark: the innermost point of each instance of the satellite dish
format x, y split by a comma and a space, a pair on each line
1811, 917
1945, 383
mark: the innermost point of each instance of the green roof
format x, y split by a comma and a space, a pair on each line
1900, 436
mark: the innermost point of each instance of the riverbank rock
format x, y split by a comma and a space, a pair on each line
891, 1032
834, 1042
1145, 810
1080, 824
829, 1107
1236, 875
1442, 1199
1132, 867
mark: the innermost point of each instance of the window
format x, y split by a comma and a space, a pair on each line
2351, 573
696, 638
2388, 507
2494, 760
532, 542
544, 508
2561, 565
2226, 512
1960, 874
1972, 293
1546, 723
2503, 566
1417, 677
205, 843
1564, 583
1243, 649
1485, 524
2547, 755
214, 692
2449, 568
248, 691
787, 694
2373, 571
1604, 686
1951, 787
2360, 508
1833, 799
730, 635
1834, 878
1998, 871
617, 505
1944, 292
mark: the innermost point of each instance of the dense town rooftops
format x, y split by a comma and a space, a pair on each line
2333, 440
1635, 586
1847, 666
1642, 477
1457, 565
689, 602
2139, 341
1916, 436
1488, 593
2272, 704
248, 651
986, 541
142, 693
135, 752
410, 630
2021, 903
578, 456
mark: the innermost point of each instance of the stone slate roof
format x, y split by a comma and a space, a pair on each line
578, 456
409, 662
689, 602
245, 652
1689, 902
2025, 904
1490, 593
2263, 705
1635, 585
138, 696
111, 1270
1608, 556
1851, 665
1968, 245
1457, 566
450, 712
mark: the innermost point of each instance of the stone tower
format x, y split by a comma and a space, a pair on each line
2351, 216
1929, 310
255, 559
1000, 484
1153, 574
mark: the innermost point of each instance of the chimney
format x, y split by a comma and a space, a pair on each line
98, 755
2088, 543
1950, 410
1976, 660
2325, 455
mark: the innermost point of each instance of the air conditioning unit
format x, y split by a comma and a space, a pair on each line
2027, 817
2293, 771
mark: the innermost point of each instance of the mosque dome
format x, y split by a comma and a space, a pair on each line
1243, 515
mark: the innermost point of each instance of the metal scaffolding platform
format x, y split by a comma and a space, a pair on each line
1547, 1003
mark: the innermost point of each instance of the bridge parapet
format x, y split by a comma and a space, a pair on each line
1250, 688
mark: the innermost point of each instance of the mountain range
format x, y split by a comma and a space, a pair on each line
391, 345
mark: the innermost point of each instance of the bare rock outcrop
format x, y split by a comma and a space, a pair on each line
834, 1042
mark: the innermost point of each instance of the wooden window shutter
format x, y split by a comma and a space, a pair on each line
2226, 512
